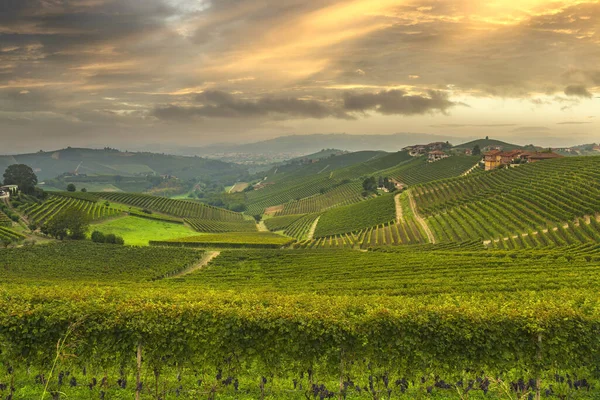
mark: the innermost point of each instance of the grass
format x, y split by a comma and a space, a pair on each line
139, 231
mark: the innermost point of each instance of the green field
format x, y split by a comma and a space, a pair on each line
139, 231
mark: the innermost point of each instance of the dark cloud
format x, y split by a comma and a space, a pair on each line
218, 104
398, 102
577, 91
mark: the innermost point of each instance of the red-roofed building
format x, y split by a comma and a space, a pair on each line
436, 155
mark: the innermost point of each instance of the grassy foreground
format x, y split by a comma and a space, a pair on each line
139, 231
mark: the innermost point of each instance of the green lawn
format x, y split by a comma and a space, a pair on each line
138, 231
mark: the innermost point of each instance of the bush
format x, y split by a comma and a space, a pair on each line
110, 238
71, 187
98, 237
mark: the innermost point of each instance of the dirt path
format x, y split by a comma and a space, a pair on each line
399, 216
313, 228
420, 219
208, 257
262, 227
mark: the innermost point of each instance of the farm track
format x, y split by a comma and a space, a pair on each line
399, 216
262, 227
420, 219
313, 228
204, 261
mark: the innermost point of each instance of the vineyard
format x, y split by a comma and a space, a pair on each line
86, 261
229, 240
176, 208
403, 324
5, 220
421, 171
584, 230
388, 234
342, 195
207, 225
41, 213
281, 223
356, 217
507, 202
8, 235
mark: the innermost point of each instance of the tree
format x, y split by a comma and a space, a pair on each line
370, 184
476, 150
84, 190
71, 187
69, 223
21, 175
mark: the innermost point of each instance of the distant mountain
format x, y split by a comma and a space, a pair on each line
307, 144
113, 162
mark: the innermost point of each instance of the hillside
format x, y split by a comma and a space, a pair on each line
126, 164
512, 202
483, 143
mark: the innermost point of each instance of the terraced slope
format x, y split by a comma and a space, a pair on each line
44, 212
420, 171
301, 228
177, 208
342, 195
508, 202
404, 230
357, 217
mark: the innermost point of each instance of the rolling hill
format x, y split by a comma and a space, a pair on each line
110, 162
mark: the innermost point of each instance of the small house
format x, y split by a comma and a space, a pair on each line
436, 155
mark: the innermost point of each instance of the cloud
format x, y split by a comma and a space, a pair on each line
577, 91
219, 104
398, 102
573, 123
472, 125
531, 129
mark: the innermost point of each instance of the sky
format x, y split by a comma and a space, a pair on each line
194, 72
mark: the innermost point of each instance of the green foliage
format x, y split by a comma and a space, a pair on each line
71, 188
21, 175
72, 223
110, 238
356, 217
370, 184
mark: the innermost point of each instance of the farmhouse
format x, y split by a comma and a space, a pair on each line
436, 155
8, 190
496, 158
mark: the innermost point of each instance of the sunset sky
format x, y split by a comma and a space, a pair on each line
120, 72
